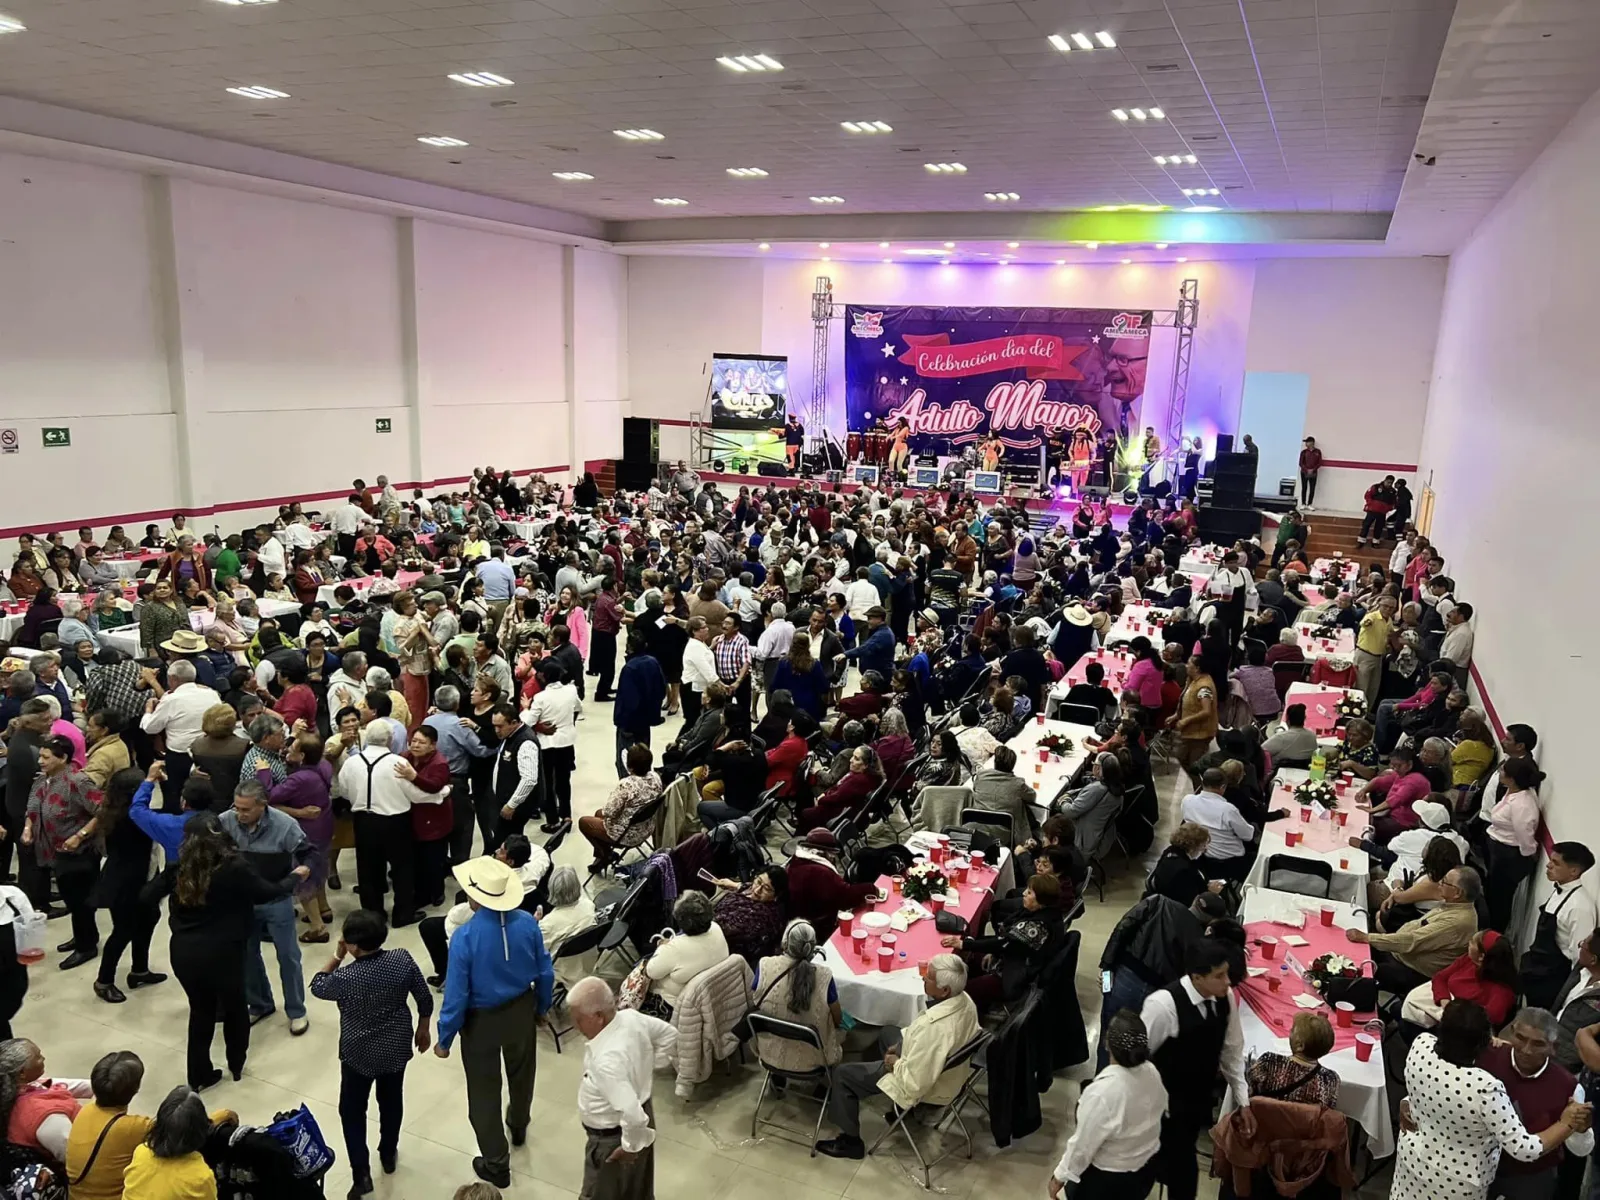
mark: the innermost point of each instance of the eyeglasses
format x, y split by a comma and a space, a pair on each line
1123, 360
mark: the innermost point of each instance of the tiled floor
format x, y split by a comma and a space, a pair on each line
706, 1151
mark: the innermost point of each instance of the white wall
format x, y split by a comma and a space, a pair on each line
1363, 330
215, 348
1512, 441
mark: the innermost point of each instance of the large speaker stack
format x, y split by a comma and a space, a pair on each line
641, 451
1229, 513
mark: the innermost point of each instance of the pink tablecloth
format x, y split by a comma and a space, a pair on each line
921, 941
1278, 1009
404, 578
1321, 705
1322, 833
1117, 668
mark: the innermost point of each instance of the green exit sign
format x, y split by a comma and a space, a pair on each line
57, 436
384, 426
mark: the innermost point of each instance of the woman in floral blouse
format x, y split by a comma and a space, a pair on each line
608, 830
162, 616
63, 810
1297, 1077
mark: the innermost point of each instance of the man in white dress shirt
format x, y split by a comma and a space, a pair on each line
1112, 1152
625, 1049
1193, 1028
1566, 918
177, 714
773, 648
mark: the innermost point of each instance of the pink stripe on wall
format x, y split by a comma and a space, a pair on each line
1387, 468
164, 514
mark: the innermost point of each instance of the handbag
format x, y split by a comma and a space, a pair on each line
1359, 991
635, 986
946, 921
298, 1133
95, 1153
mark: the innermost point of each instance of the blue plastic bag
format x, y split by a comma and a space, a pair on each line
298, 1133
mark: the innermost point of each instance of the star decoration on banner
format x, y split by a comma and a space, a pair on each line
904, 381
888, 349
1095, 339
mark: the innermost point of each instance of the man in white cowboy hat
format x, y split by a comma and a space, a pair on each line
1073, 636
498, 985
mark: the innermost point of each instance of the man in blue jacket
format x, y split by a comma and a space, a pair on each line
876, 652
641, 691
498, 984
163, 828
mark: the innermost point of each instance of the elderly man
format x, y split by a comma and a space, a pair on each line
47, 679
1540, 1089
773, 648
911, 1071
380, 801
459, 746
275, 845
999, 789
177, 715
1227, 856
625, 1049
1420, 949
1372, 643
498, 985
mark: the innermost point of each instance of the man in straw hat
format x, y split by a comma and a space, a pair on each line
625, 1049
497, 986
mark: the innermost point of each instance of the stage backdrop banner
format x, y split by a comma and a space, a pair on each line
1026, 373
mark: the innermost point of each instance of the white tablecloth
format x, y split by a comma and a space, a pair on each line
1349, 883
10, 623
877, 998
1047, 778
1363, 1093
200, 619
125, 639
132, 568
1137, 620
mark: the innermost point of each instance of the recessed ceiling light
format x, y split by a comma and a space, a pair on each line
256, 92
639, 135
1138, 114
922, 250
1119, 114
949, 245
944, 262
572, 176
867, 126
1082, 41
11, 24
764, 246
1012, 245
1158, 114
1105, 39
747, 172
944, 168
823, 245
888, 260
436, 140
673, 201
1002, 197
1126, 261
1202, 208
883, 245
1190, 159
743, 63
827, 199
1061, 262
1183, 260
237, 3
1161, 245
1061, 43
481, 79
1201, 192
825, 258
1176, 160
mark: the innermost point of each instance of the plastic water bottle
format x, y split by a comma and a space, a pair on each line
1319, 765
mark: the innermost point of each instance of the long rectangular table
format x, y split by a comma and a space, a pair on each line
1322, 840
1265, 1018
1321, 704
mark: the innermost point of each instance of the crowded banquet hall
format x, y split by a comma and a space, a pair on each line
668, 598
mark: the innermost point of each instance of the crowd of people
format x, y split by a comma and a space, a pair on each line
427, 717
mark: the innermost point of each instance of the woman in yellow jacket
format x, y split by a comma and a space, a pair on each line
169, 1165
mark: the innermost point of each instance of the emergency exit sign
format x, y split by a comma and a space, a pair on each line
54, 436
384, 426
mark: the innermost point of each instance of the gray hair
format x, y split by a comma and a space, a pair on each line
22, 683
1471, 883
447, 698
948, 971
565, 888
377, 732
185, 541
693, 913
182, 1124
1438, 746
352, 660
40, 662
1288, 636
263, 726
593, 995
216, 636
1541, 1020
779, 612
15, 1055
800, 943
181, 672
892, 722
252, 790
379, 680
71, 606
53, 704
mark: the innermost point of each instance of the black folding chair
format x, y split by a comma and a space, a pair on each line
1303, 876
578, 943
763, 1025
1079, 714
988, 816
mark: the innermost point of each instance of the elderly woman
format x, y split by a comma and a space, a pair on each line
894, 746
1001, 967
792, 986
571, 912
162, 615
185, 562
1176, 874
379, 680
696, 946
1474, 752
304, 794
226, 618
219, 752
74, 626
35, 1112
1457, 1119
170, 1165
860, 780
1297, 1077
1486, 975
264, 760
751, 917
611, 830
1093, 807
107, 612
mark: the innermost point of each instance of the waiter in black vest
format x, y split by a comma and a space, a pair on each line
1193, 1028
515, 775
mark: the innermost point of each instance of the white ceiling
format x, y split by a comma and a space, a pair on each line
1290, 105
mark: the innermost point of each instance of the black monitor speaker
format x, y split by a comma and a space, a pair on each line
641, 440
1224, 444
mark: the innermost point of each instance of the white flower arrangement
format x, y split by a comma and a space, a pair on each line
1351, 704
1334, 966
924, 880
1315, 791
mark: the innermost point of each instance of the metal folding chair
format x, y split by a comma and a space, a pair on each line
763, 1025
948, 1114
578, 943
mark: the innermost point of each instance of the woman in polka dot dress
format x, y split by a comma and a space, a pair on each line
1457, 1119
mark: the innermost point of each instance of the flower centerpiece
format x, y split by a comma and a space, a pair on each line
1058, 744
923, 881
1333, 966
1315, 791
1351, 704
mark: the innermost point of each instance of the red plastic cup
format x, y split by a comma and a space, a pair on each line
1341, 816
859, 937
885, 959
1327, 914
1269, 948
1364, 1044
1291, 837
1344, 864
977, 858
1039, 720
1305, 814
1344, 1012
1274, 982
1044, 754
936, 904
